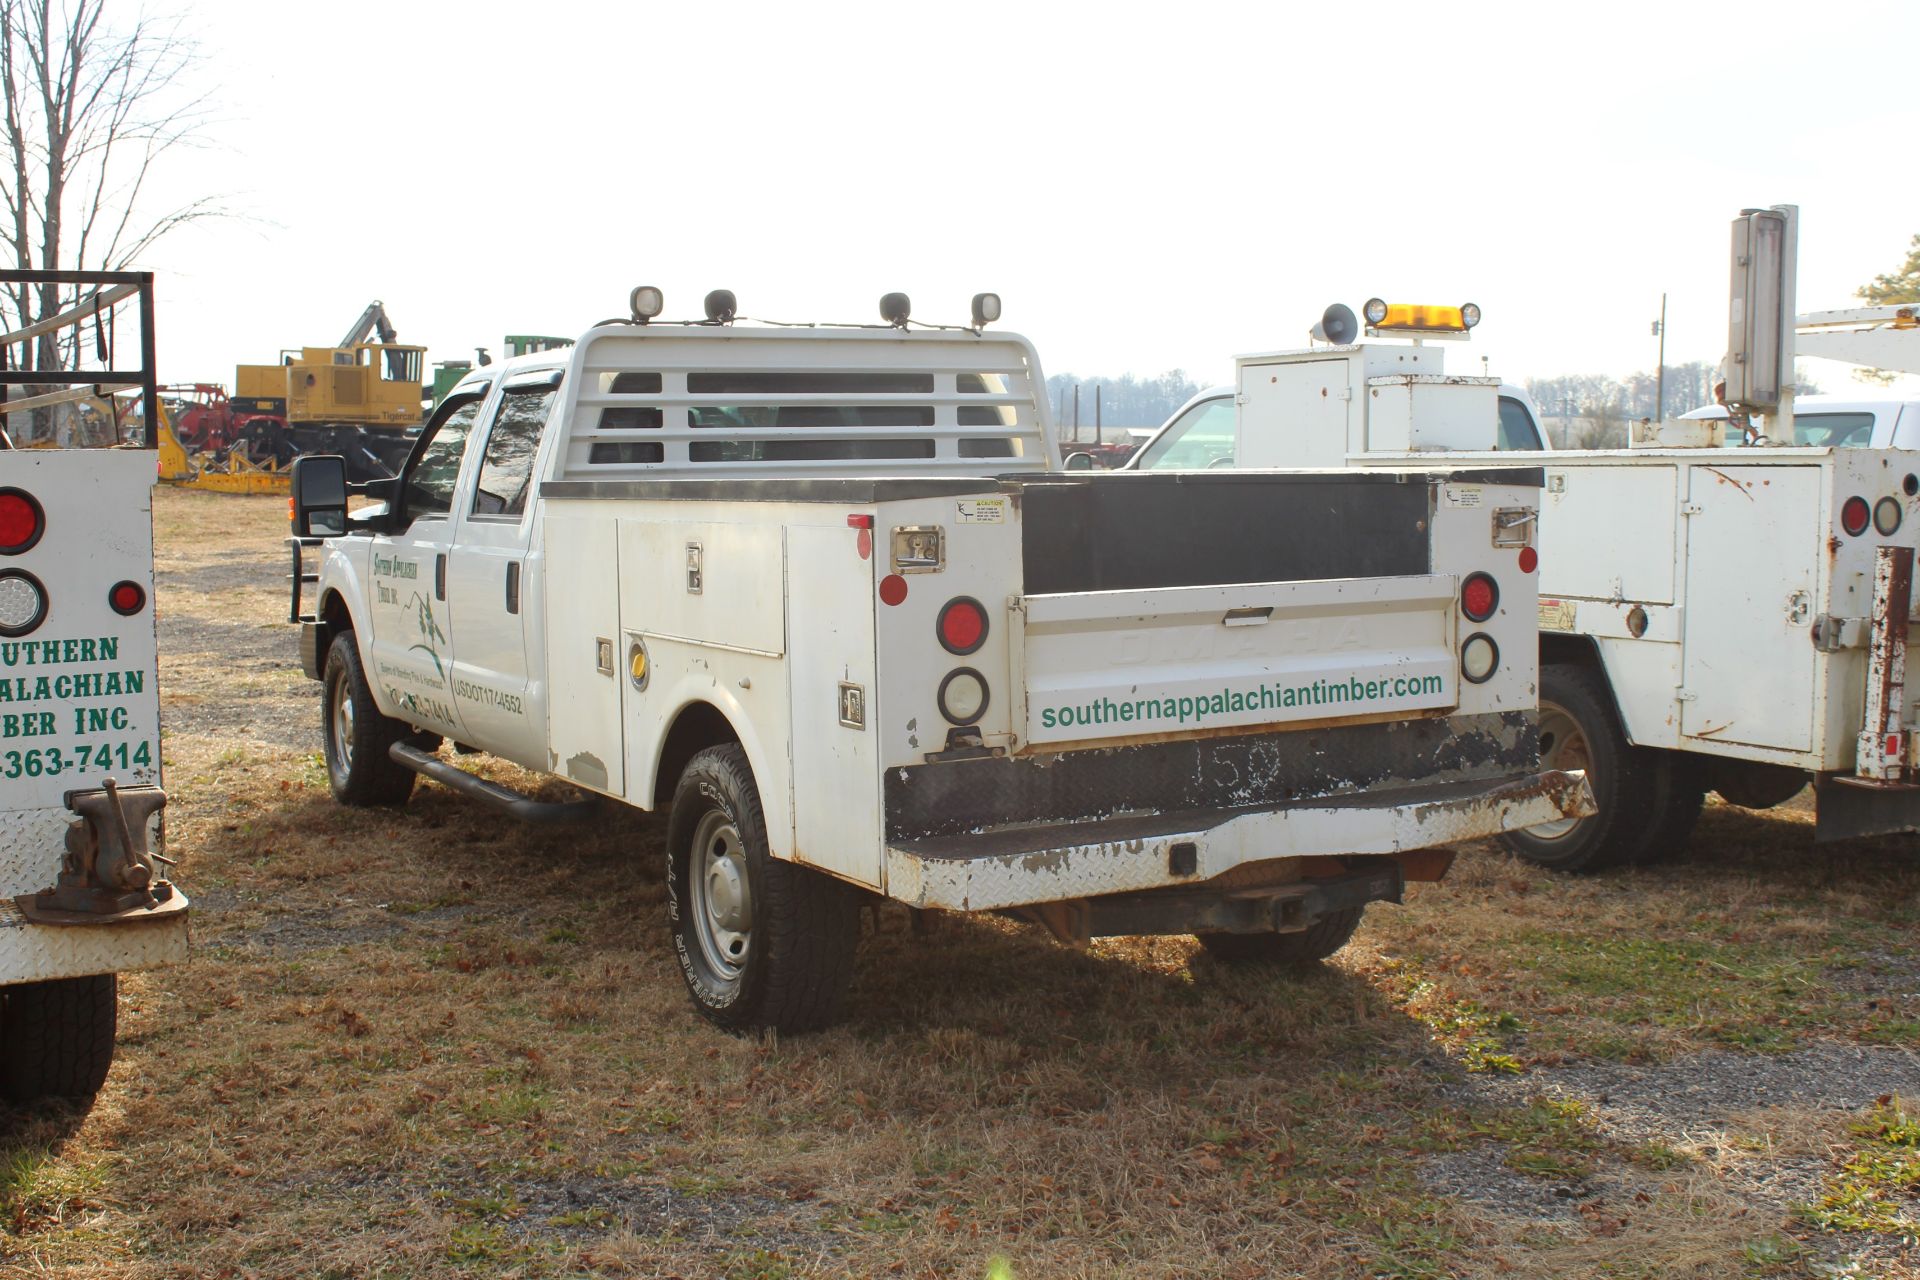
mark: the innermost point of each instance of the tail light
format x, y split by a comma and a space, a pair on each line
1854, 516
962, 625
1886, 516
963, 696
21, 521
23, 602
1479, 597
1479, 658
127, 598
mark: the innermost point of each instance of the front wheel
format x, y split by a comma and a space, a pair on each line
56, 1037
762, 943
356, 736
1307, 946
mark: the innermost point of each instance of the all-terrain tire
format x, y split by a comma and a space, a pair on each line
356, 736
1307, 946
56, 1038
1633, 787
762, 943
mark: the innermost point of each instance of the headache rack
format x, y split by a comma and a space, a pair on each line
694, 401
95, 310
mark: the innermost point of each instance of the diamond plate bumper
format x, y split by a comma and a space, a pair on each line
32, 952
1059, 862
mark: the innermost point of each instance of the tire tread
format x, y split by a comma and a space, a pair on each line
58, 1037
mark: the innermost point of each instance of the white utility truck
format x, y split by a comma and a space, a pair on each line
80, 797
815, 588
1711, 617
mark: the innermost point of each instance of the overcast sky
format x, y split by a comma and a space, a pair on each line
1148, 187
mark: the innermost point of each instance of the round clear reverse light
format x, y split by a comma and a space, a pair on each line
1479, 656
963, 696
23, 603
1886, 516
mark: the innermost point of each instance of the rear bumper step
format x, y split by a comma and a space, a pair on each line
1121, 855
505, 799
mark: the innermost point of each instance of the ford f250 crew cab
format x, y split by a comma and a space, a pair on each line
816, 589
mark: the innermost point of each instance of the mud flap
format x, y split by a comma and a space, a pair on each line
1846, 810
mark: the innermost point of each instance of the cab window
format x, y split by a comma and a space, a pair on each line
431, 480
1516, 426
507, 470
1833, 430
1201, 437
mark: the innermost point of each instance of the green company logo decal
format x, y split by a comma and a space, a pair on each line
431, 636
1352, 692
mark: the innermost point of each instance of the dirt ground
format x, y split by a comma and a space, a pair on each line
428, 1043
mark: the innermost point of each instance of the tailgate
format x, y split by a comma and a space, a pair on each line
1176, 660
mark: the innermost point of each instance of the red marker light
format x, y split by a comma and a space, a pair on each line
1479, 597
1529, 559
127, 598
1854, 516
859, 522
21, 521
962, 626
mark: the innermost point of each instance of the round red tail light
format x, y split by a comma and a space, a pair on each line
127, 598
1854, 515
1479, 597
962, 625
21, 521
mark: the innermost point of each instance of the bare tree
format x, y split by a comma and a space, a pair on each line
87, 110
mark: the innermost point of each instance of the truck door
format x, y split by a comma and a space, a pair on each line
490, 574
1749, 660
411, 620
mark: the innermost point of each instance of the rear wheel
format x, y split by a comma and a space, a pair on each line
56, 1037
356, 736
762, 943
1633, 787
1308, 946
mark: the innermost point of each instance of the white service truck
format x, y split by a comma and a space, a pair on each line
816, 589
82, 894
1712, 617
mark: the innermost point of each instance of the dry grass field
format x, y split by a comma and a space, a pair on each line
431, 1043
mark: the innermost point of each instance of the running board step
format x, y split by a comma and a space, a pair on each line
523, 807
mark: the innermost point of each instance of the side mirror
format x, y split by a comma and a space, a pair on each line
319, 496
1081, 461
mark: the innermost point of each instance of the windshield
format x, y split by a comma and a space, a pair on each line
1201, 437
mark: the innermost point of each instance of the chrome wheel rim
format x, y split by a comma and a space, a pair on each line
1562, 746
722, 896
342, 718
